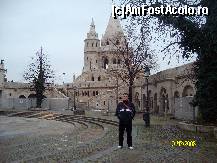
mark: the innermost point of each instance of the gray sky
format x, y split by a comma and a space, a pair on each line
60, 26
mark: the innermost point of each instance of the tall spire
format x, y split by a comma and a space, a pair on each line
92, 26
113, 28
92, 33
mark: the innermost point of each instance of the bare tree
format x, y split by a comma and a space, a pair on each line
135, 55
188, 36
39, 74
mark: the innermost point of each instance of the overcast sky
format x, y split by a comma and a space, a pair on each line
59, 26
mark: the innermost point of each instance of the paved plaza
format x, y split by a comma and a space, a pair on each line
48, 140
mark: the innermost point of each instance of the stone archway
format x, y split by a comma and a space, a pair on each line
22, 96
105, 63
163, 101
137, 101
176, 94
32, 96
114, 60
144, 101
188, 91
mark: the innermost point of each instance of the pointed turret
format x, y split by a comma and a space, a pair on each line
91, 49
113, 29
2, 74
92, 33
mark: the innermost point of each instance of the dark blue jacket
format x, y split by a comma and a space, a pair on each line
125, 112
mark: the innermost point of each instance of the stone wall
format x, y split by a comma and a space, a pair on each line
26, 104
183, 110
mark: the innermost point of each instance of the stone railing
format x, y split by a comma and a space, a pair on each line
212, 130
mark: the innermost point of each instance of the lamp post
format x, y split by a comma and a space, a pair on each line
108, 91
74, 88
146, 114
63, 77
67, 90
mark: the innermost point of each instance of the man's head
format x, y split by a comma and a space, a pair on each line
125, 97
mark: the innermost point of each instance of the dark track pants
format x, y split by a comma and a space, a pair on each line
128, 128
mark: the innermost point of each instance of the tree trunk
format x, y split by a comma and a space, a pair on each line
131, 90
39, 102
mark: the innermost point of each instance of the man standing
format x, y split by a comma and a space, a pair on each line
125, 112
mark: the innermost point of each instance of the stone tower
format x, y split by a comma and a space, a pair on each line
91, 50
2, 77
111, 39
2, 73
113, 30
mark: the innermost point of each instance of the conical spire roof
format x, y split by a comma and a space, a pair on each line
92, 33
113, 28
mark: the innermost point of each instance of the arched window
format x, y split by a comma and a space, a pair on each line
92, 44
92, 78
119, 61
94, 93
114, 61
22, 96
96, 44
188, 91
32, 96
106, 62
99, 78
176, 94
107, 42
137, 95
87, 44
117, 42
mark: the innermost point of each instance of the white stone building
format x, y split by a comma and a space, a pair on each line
11, 89
97, 88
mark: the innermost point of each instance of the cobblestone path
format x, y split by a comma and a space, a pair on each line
154, 144
96, 144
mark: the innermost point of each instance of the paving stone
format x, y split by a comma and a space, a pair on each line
93, 144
